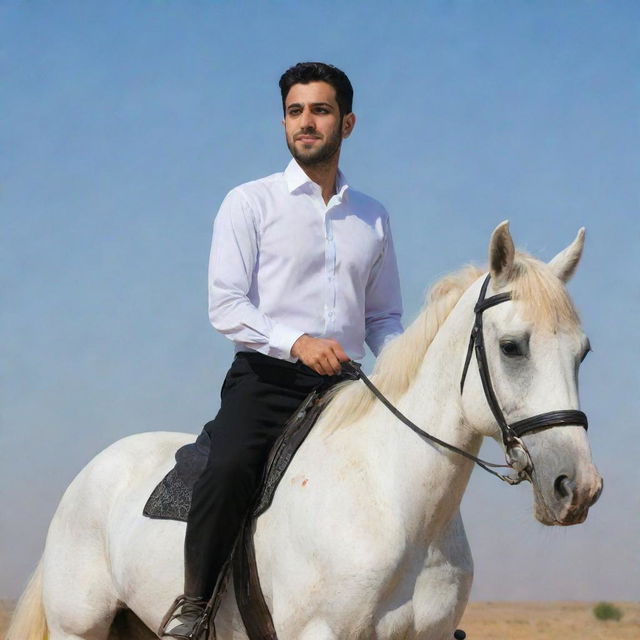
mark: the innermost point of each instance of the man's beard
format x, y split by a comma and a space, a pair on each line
319, 156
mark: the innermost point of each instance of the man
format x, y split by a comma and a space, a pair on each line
302, 271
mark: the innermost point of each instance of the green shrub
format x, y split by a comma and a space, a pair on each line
607, 611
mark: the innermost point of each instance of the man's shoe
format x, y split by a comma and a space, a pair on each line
188, 619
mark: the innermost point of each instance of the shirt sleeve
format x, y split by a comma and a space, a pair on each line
383, 299
232, 261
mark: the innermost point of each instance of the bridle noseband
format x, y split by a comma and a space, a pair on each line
516, 453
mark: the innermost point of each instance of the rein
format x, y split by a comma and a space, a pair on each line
487, 466
516, 454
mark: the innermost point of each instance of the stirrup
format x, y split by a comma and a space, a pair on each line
200, 625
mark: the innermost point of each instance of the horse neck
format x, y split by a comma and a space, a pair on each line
424, 479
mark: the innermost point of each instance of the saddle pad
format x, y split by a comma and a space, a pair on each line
171, 499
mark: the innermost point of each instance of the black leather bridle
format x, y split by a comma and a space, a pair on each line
516, 453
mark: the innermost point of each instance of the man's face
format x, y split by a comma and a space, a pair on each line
312, 123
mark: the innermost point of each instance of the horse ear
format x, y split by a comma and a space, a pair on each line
565, 263
501, 253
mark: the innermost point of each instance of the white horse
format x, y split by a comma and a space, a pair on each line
364, 537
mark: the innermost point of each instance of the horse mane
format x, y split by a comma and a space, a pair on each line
400, 359
545, 303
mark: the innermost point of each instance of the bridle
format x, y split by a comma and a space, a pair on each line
516, 453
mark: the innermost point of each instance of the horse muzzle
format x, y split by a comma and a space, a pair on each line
566, 499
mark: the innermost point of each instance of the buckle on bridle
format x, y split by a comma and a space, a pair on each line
517, 457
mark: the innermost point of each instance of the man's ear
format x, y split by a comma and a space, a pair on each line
348, 123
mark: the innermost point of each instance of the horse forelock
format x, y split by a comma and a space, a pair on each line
545, 300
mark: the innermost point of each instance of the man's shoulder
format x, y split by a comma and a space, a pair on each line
365, 204
256, 188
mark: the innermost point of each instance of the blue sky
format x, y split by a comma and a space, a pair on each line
123, 126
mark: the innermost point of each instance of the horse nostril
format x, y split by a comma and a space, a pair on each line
597, 494
563, 487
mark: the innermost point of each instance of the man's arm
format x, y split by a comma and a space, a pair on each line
383, 301
234, 251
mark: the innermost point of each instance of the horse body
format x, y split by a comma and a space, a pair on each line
364, 537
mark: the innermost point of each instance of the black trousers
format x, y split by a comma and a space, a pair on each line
259, 394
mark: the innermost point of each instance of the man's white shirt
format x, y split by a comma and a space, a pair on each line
283, 263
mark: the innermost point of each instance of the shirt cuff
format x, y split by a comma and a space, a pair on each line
282, 339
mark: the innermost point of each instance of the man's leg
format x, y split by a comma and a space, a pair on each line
258, 396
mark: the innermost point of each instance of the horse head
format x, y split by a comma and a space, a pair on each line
533, 345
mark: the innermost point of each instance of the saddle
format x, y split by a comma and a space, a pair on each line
171, 500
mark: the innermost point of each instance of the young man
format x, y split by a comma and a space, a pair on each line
302, 272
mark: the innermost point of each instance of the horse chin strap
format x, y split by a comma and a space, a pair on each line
516, 453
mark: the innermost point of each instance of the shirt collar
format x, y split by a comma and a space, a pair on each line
296, 178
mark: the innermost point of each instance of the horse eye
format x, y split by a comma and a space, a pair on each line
510, 348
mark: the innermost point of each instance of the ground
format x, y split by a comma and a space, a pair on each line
547, 621
521, 621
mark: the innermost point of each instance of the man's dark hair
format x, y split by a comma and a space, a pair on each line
306, 72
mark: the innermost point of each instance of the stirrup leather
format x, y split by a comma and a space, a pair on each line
201, 625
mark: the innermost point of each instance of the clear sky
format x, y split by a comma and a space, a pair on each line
123, 125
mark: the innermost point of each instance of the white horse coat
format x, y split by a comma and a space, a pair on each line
364, 537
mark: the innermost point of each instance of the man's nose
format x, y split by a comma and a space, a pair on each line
307, 121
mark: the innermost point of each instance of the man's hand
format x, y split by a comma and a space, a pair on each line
322, 355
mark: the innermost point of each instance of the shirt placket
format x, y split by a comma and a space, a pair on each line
330, 295
330, 273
